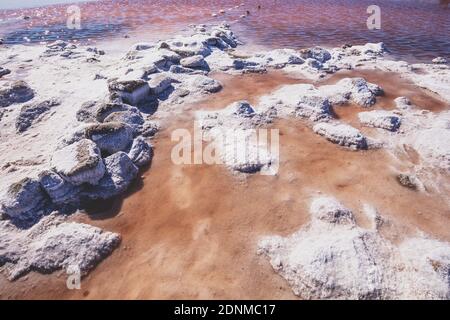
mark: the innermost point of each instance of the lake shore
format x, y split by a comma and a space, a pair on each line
86, 141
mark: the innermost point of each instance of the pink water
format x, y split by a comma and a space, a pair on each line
411, 29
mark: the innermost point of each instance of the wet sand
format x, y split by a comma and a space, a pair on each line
191, 231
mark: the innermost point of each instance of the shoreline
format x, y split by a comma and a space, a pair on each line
313, 68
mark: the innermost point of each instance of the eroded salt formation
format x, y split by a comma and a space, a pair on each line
333, 258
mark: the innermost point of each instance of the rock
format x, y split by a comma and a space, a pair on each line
17, 92
87, 112
29, 114
149, 129
194, 62
79, 163
342, 134
4, 72
120, 172
59, 190
160, 83
408, 181
141, 152
333, 258
329, 210
131, 117
110, 137
24, 201
131, 92
142, 46
439, 60
179, 69
187, 46
53, 244
403, 103
241, 109
313, 63
317, 53
301, 100
203, 84
380, 119
357, 90
105, 109
96, 51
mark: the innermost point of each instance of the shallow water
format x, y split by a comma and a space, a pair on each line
411, 29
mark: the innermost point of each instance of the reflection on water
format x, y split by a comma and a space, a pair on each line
410, 28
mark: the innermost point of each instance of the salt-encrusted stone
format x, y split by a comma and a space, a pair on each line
241, 109
87, 111
141, 152
24, 200
79, 163
380, 119
54, 244
131, 117
194, 62
160, 83
357, 90
110, 137
16, 92
120, 172
4, 71
60, 191
342, 134
439, 60
131, 92
30, 114
317, 53
333, 258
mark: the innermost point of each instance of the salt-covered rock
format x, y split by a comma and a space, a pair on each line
29, 114
357, 90
403, 103
60, 191
330, 210
439, 60
160, 83
317, 53
194, 62
380, 119
141, 46
131, 92
24, 201
105, 109
87, 111
302, 100
149, 129
203, 84
110, 137
131, 117
120, 172
141, 152
333, 258
342, 134
79, 163
54, 244
16, 92
4, 71
241, 109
